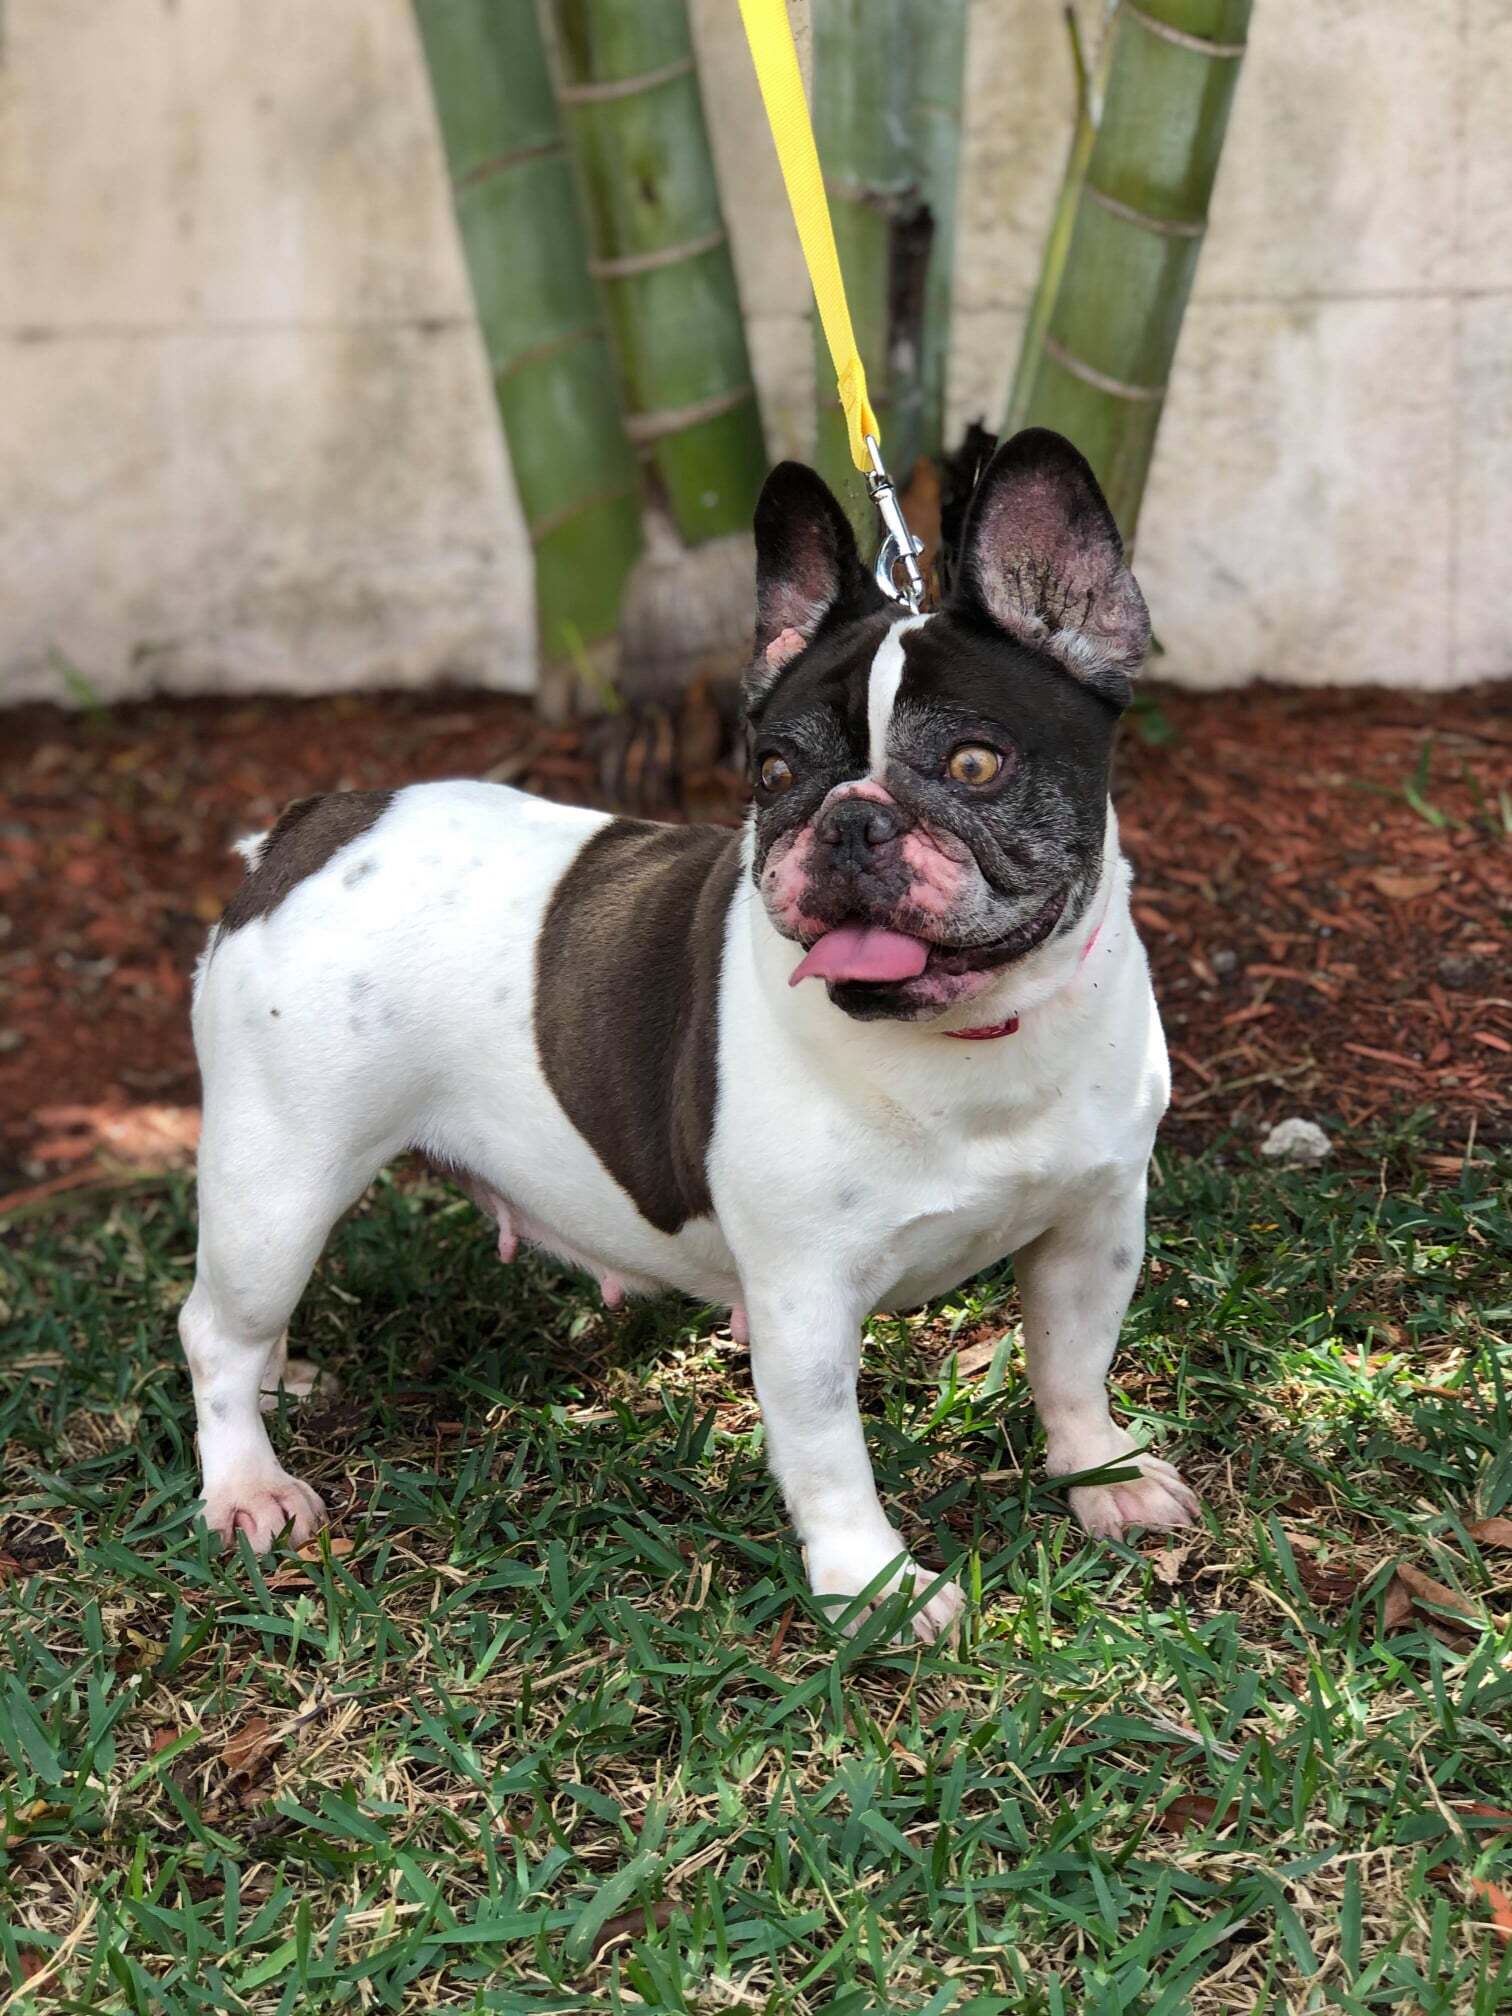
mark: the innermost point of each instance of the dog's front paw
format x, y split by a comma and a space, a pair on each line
1158, 1496
261, 1507
842, 1569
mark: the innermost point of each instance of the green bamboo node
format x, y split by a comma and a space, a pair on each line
540, 317
1122, 253
628, 87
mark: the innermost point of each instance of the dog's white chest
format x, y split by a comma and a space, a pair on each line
912, 1181
988, 1198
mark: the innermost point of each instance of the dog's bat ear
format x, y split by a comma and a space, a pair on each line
1042, 557
808, 571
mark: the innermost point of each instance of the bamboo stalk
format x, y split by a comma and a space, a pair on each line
863, 126
630, 93
887, 116
1102, 337
542, 323
939, 83
1058, 244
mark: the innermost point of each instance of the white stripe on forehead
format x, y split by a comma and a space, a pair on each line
882, 688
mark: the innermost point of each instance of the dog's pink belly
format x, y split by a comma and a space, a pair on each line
616, 1280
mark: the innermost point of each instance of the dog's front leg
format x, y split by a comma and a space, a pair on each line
805, 1353
1076, 1281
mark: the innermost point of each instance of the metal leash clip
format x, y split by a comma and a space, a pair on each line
899, 543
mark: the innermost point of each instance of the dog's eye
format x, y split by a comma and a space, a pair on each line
775, 774
974, 763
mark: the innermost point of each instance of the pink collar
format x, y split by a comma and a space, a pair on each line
989, 1030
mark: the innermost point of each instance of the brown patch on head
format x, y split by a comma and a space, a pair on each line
627, 1005
309, 832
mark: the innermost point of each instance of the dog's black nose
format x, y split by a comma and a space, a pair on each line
854, 827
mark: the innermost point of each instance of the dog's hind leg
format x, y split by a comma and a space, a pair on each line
265, 1211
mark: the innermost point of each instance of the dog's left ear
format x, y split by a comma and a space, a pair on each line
1041, 556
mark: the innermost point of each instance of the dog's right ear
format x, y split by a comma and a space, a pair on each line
1043, 559
808, 571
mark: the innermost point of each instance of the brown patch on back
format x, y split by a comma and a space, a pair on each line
308, 833
627, 1005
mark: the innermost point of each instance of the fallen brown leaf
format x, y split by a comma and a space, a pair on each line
1498, 1902
160, 1739
628, 1923
1403, 888
1478, 1810
246, 1746
290, 1577
339, 1545
1189, 1811
20, 1820
1398, 1607
1491, 1532
1167, 1561
1425, 1590
1411, 1593
1326, 1584
976, 1357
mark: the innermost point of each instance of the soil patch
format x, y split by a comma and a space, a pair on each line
1323, 880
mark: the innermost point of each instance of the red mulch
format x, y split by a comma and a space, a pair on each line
1321, 882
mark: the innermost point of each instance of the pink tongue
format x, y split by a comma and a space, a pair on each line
862, 952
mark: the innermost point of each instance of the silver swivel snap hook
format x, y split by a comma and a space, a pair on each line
898, 542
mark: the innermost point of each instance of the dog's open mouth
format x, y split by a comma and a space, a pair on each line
871, 955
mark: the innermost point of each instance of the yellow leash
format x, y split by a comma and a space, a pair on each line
776, 62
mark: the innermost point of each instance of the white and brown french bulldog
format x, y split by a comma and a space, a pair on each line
599, 1025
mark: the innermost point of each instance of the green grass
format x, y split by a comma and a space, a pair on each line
558, 1676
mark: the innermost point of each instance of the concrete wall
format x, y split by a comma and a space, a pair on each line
246, 438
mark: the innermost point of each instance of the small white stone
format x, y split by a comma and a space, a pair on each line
1298, 1141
